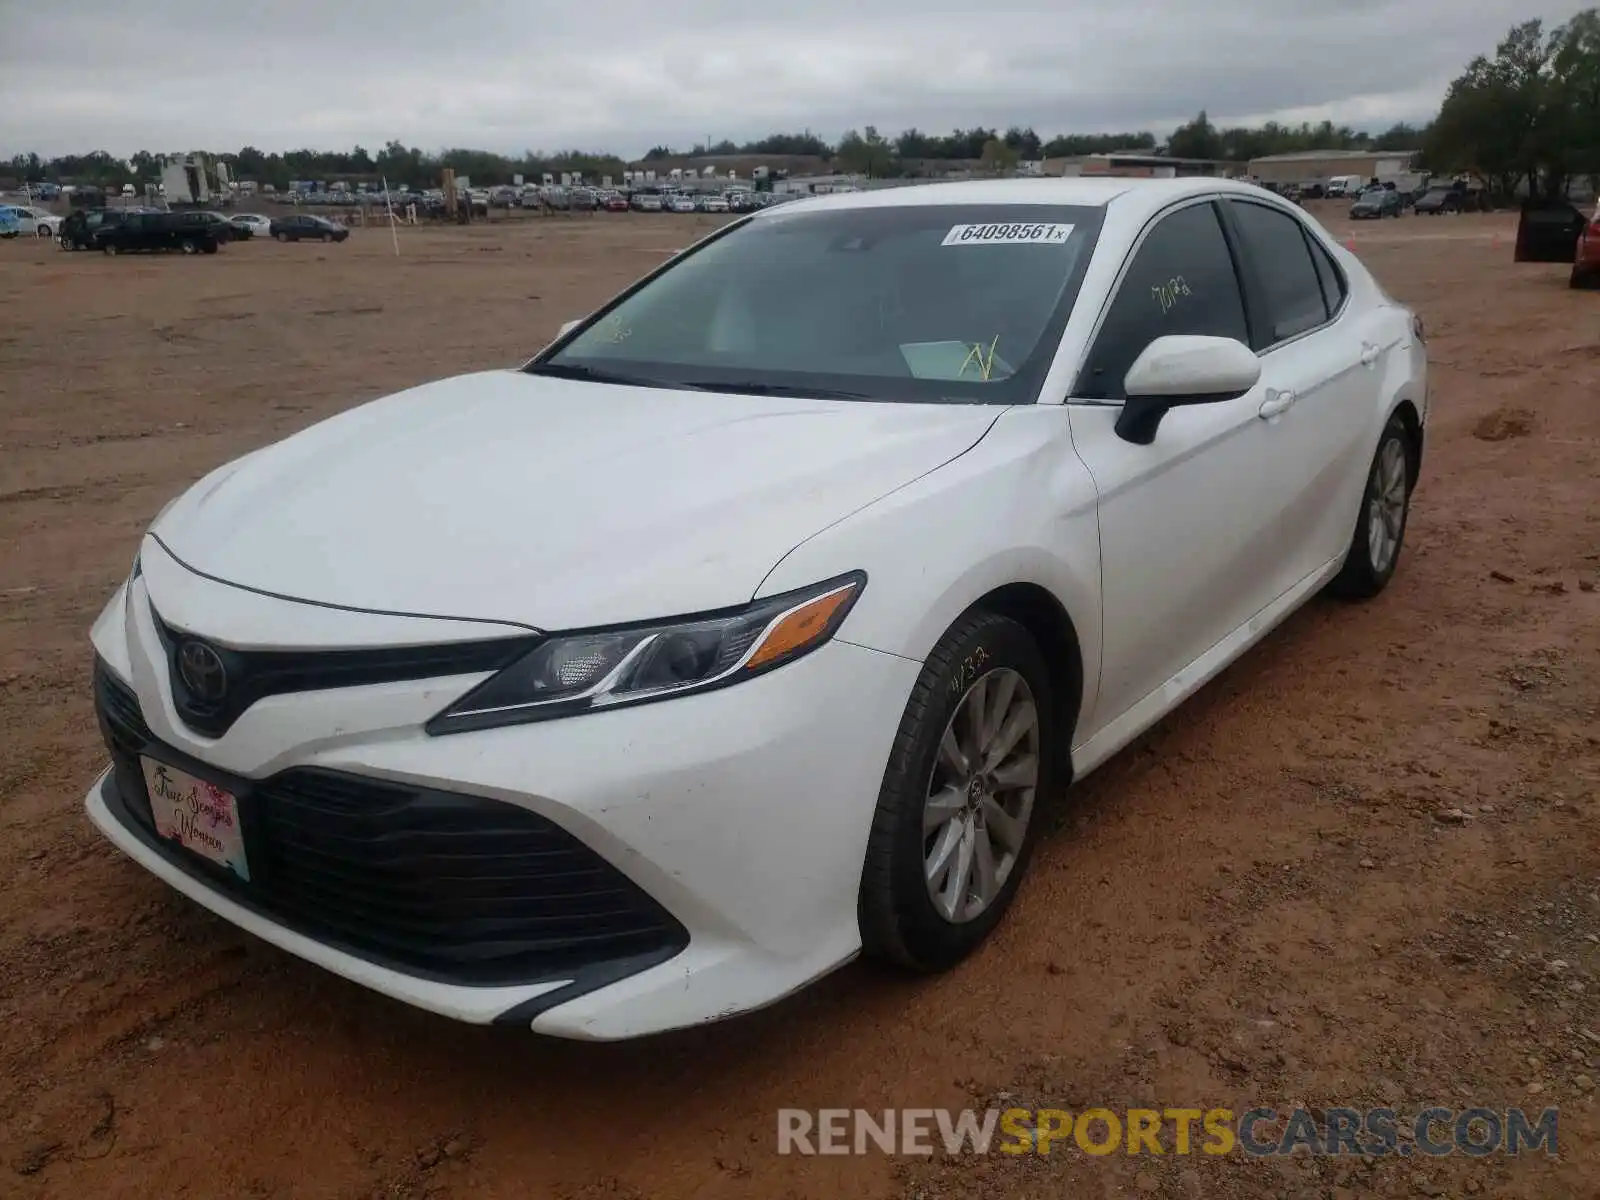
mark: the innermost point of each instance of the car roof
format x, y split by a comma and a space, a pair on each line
1098, 192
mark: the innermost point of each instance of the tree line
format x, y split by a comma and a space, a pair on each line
1527, 115
911, 152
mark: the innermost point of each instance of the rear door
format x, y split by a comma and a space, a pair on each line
1548, 231
1322, 361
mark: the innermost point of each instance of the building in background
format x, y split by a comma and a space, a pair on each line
1317, 165
1139, 165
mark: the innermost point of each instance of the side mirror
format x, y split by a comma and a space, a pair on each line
568, 326
1182, 369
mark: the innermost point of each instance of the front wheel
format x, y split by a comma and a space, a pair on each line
43, 231
1381, 526
953, 830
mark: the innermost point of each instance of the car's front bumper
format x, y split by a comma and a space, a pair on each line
743, 813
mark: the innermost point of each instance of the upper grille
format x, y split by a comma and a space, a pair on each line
255, 674
449, 886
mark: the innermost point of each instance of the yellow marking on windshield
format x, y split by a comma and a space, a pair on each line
976, 357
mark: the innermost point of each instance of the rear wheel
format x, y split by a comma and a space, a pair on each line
189, 246
1584, 279
1381, 526
43, 231
326, 238
954, 825
110, 247
281, 236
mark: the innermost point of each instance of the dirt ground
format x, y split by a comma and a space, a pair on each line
1361, 868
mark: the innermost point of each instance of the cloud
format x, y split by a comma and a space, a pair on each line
501, 75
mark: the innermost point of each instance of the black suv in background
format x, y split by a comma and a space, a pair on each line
306, 227
198, 232
125, 230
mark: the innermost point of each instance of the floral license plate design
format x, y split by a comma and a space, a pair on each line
199, 816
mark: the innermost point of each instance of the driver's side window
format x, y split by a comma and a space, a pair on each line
1182, 280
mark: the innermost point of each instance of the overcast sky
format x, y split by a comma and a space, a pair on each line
623, 75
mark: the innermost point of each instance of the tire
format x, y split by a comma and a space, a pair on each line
189, 246
42, 231
900, 921
109, 248
210, 248
326, 238
1583, 280
1361, 577
282, 237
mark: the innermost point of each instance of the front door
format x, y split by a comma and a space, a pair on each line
1189, 528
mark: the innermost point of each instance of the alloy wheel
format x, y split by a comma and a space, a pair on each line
1386, 505
980, 795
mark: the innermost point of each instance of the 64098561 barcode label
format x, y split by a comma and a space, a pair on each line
1000, 233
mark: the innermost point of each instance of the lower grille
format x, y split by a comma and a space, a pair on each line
447, 886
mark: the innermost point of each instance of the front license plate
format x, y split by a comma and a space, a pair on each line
199, 816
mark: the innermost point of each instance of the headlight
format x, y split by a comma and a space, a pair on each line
589, 672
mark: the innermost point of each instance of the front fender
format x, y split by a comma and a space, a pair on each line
1019, 507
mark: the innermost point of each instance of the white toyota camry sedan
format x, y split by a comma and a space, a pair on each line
752, 624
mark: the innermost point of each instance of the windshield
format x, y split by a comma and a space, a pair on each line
912, 302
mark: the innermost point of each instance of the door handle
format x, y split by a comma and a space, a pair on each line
1275, 403
1369, 354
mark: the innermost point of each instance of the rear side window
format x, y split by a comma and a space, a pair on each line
1181, 280
1277, 247
1328, 274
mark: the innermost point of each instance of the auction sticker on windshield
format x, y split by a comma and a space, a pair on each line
1048, 233
199, 816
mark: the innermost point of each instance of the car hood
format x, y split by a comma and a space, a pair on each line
552, 503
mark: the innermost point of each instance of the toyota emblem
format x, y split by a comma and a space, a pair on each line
203, 672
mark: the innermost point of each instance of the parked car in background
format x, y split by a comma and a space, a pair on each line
1437, 200
885, 518
306, 227
1558, 231
616, 203
1376, 203
646, 202
681, 204
30, 222
251, 225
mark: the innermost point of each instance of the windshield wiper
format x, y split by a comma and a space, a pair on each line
751, 388
597, 375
